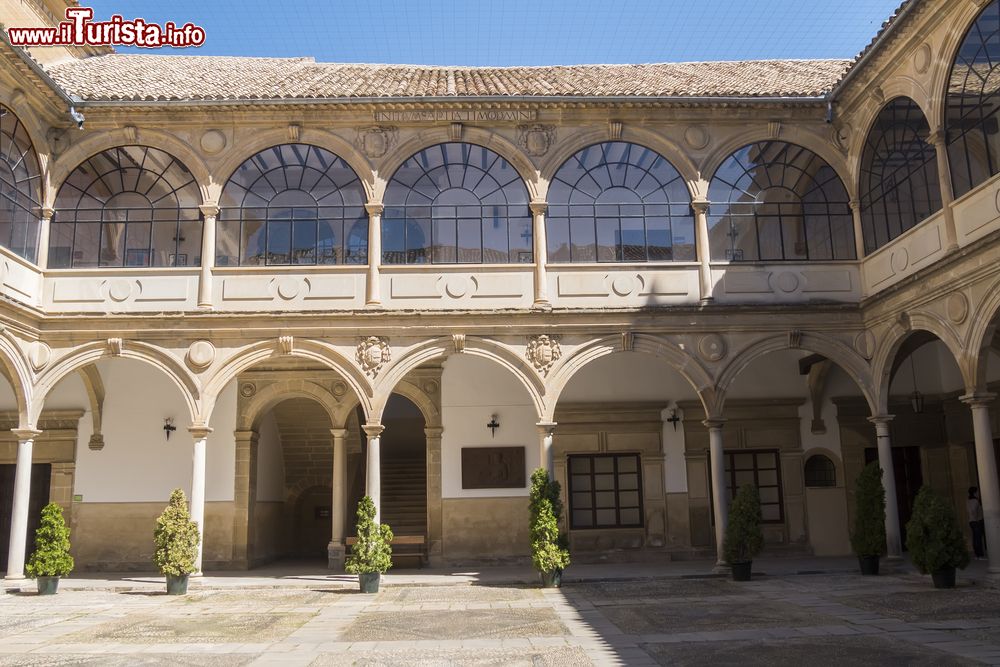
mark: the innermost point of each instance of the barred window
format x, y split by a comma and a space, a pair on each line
820, 471
20, 188
605, 491
619, 202
456, 203
127, 206
292, 204
762, 468
775, 201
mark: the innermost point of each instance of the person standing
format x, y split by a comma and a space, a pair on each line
975, 511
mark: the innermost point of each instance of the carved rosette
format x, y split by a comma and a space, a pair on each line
376, 141
543, 351
373, 354
712, 347
536, 139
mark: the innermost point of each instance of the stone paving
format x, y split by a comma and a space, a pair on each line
822, 619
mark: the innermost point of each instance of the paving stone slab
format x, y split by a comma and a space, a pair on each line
534, 657
467, 624
128, 660
932, 604
710, 615
192, 627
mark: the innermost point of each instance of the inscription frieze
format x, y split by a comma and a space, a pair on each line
481, 115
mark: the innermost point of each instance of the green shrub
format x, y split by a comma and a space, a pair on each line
868, 538
176, 538
51, 557
933, 536
549, 551
373, 550
744, 538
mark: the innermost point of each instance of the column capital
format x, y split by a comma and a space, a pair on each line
246, 435
23, 434
855, 204
546, 428
978, 399
48, 212
700, 205
714, 423
199, 431
881, 419
209, 210
373, 430
338, 433
433, 431
937, 137
539, 207
374, 208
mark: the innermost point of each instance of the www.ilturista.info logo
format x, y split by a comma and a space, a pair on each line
79, 29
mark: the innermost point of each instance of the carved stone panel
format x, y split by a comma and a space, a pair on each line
493, 468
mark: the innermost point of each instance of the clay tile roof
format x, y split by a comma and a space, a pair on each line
179, 78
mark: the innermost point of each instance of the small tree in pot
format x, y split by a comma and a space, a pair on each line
371, 555
934, 538
744, 538
51, 558
176, 538
549, 547
868, 538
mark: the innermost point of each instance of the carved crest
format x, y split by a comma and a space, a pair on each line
376, 141
373, 354
543, 351
536, 139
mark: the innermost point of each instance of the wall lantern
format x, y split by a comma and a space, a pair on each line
673, 419
493, 424
168, 426
916, 398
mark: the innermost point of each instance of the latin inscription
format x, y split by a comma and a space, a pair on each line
457, 116
493, 468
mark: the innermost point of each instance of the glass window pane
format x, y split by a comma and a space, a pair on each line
768, 477
768, 494
583, 519
628, 499
630, 517
604, 499
279, 242
471, 242
744, 477
627, 463
770, 513
604, 482
606, 517
628, 482
581, 482
583, 240
579, 464
581, 501
604, 464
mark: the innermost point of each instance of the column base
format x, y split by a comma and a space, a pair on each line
706, 301
721, 568
196, 575
373, 305
542, 305
335, 555
894, 559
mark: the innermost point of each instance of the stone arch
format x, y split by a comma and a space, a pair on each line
440, 348
253, 354
885, 355
687, 366
145, 352
440, 135
892, 90
17, 371
839, 353
981, 331
94, 144
277, 392
17, 102
965, 15
296, 490
577, 141
790, 134
267, 138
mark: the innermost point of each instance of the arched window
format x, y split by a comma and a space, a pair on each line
456, 203
292, 204
820, 471
127, 206
973, 99
899, 178
20, 187
619, 202
774, 201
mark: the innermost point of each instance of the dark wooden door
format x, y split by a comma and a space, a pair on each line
909, 477
41, 475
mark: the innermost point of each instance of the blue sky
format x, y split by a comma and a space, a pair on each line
521, 32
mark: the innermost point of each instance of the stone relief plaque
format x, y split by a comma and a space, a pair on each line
493, 468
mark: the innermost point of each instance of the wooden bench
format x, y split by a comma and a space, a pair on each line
419, 542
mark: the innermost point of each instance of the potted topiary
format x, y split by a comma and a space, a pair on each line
371, 555
51, 558
549, 548
868, 538
176, 539
934, 539
744, 538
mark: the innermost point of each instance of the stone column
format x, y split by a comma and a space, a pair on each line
893, 540
859, 232
335, 550
44, 230
703, 249
947, 194
545, 431
540, 251
373, 291
245, 498
720, 505
209, 212
986, 465
435, 509
22, 492
200, 435
373, 469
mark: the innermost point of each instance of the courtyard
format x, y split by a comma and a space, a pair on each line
794, 612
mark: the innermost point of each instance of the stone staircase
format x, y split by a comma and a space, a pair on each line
404, 505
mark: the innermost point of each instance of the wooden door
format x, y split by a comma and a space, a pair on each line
41, 475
